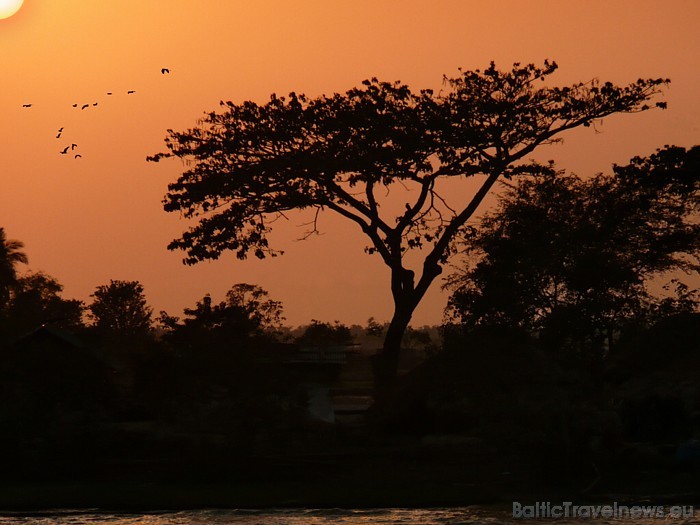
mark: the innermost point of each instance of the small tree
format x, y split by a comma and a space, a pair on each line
247, 312
250, 164
374, 329
320, 334
120, 308
37, 300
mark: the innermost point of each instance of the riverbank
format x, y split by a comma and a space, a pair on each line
141, 497
377, 479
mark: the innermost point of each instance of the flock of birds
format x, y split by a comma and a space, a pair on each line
72, 146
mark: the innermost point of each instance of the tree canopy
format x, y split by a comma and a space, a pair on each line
573, 258
246, 312
250, 164
319, 334
120, 308
10, 256
37, 300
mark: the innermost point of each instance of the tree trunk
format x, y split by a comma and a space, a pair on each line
407, 295
387, 361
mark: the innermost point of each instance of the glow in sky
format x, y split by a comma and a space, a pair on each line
98, 216
9, 7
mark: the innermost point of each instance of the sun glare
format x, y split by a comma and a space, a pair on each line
9, 7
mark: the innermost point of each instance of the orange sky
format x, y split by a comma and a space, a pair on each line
89, 220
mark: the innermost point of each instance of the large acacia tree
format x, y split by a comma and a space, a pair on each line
249, 164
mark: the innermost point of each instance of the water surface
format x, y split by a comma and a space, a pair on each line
451, 516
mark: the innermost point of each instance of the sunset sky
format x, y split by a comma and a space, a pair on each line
99, 217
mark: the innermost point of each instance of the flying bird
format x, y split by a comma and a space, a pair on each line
130, 92
85, 106
64, 151
75, 105
109, 93
78, 156
26, 105
165, 70
95, 104
59, 134
73, 146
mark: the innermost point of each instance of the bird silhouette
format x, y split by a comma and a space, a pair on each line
75, 105
85, 106
26, 105
65, 150
109, 93
165, 70
59, 135
73, 146
78, 156
60, 129
130, 92
95, 104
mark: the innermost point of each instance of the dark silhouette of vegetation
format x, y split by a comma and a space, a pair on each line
57, 396
10, 256
318, 334
374, 329
223, 378
120, 309
250, 164
36, 300
247, 311
572, 259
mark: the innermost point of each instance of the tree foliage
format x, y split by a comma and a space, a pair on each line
573, 258
250, 163
120, 308
320, 334
37, 300
374, 329
10, 256
246, 312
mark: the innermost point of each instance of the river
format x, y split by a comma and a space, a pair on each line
450, 516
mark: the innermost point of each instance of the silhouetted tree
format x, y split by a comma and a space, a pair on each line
37, 300
10, 256
120, 308
374, 329
247, 312
254, 303
572, 258
251, 163
221, 379
325, 334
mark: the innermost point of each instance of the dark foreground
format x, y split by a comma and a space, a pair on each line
412, 476
491, 419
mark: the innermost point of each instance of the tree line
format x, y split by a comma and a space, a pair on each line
120, 310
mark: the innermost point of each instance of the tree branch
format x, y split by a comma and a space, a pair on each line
369, 229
